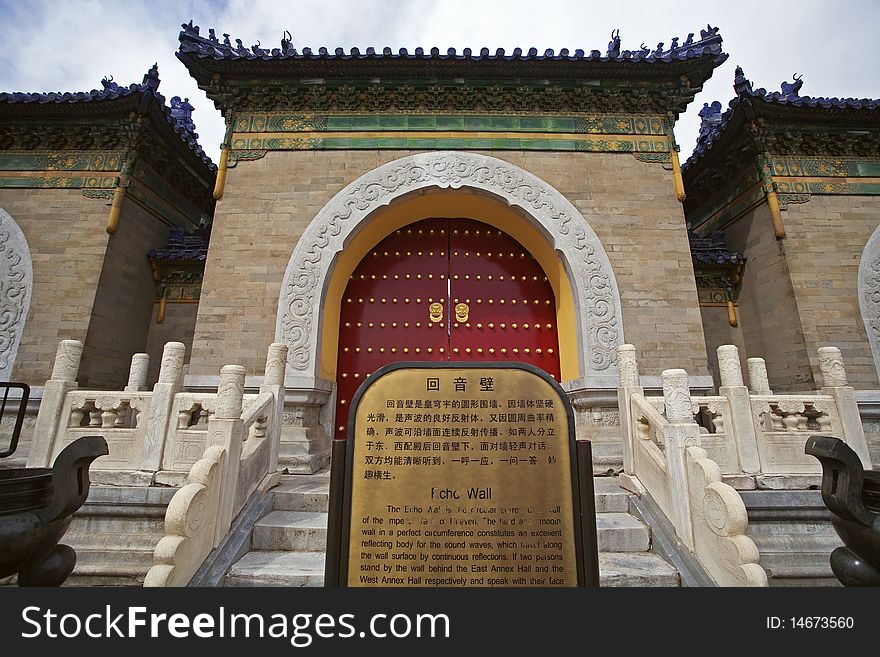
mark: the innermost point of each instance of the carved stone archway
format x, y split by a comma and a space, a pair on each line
16, 282
594, 288
869, 294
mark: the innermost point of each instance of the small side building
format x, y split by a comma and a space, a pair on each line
90, 182
792, 183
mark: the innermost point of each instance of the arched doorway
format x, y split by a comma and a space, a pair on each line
589, 312
444, 289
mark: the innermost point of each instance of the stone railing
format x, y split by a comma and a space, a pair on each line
241, 457
663, 458
153, 436
758, 437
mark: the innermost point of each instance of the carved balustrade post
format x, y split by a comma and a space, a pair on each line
759, 384
681, 432
740, 426
159, 421
137, 382
273, 382
834, 383
50, 418
629, 384
137, 373
225, 428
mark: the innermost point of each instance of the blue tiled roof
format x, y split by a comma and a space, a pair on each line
181, 246
712, 249
714, 122
214, 48
178, 115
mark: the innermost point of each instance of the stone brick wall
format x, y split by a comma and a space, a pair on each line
124, 300
179, 324
268, 203
66, 237
824, 241
767, 308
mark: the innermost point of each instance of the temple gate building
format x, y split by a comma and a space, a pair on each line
375, 207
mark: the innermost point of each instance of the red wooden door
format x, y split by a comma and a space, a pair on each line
443, 289
508, 311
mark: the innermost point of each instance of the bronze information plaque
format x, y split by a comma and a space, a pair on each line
461, 475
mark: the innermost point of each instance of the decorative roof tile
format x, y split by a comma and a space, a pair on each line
712, 249
212, 47
714, 122
178, 115
182, 247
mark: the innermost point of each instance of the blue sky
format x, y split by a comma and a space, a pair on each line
54, 45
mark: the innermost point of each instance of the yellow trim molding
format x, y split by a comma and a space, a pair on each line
116, 208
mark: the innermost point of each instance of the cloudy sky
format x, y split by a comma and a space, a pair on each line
69, 45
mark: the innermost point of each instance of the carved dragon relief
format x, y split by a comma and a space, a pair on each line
869, 294
16, 283
597, 296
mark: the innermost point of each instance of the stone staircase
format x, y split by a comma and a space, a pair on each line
114, 534
288, 543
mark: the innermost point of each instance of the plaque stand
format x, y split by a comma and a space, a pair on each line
581, 532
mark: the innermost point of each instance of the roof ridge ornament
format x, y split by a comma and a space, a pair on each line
710, 117
709, 44
708, 32
791, 90
181, 113
614, 44
151, 77
189, 28
741, 84
287, 43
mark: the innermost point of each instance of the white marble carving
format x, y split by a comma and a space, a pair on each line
676, 397
16, 283
728, 365
759, 384
190, 521
67, 357
869, 294
230, 392
597, 300
628, 366
276, 363
137, 373
720, 523
831, 366
171, 368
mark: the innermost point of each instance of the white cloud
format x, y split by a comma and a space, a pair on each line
70, 46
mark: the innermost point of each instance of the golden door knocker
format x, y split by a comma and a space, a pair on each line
435, 312
462, 311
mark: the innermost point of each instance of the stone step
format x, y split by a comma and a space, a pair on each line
303, 531
122, 524
618, 569
282, 568
277, 568
110, 568
620, 532
289, 542
303, 494
114, 534
610, 497
130, 495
